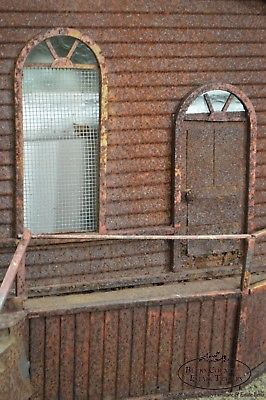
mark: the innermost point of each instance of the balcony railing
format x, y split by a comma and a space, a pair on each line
16, 269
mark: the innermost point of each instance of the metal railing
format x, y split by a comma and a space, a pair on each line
16, 269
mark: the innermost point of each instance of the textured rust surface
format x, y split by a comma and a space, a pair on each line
251, 149
128, 352
14, 371
197, 143
251, 332
118, 351
156, 54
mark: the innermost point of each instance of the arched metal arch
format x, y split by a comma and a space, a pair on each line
19, 119
252, 132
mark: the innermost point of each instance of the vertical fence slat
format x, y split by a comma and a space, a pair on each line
179, 325
52, 356
231, 331
205, 337
124, 353
138, 351
67, 357
166, 334
96, 355
37, 357
217, 342
152, 349
192, 337
110, 354
82, 356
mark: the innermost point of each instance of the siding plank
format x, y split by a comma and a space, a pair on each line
138, 351
37, 357
52, 358
67, 354
121, 20
165, 348
82, 340
124, 354
152, 349
111, 344
96, 355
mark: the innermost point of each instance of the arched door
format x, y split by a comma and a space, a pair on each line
214, 146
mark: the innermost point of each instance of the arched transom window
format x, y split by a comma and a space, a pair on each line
60, 113
215, 101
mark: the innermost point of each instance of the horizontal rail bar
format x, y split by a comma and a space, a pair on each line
260, 233
14, 267
258, 285
143, 237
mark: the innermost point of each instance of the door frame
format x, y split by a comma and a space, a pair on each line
252, 137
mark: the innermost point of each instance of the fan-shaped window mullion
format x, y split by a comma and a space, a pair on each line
51, 48
61, 105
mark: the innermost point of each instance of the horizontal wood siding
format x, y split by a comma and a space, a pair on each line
156, 52
127, 352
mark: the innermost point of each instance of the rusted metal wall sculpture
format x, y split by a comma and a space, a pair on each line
155, 53
135, 342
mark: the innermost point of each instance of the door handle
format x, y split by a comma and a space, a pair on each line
186, 196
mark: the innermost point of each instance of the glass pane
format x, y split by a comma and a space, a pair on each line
218, 98
62, 44
61, 149
40, 54
83, 55
235, 105
198, 106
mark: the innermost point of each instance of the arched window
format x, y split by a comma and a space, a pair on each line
59, 103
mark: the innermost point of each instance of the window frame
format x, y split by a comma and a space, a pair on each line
103, 115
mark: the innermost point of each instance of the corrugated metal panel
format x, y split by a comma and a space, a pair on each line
251, 340
156, 53
127, 352
135, 19
200, 6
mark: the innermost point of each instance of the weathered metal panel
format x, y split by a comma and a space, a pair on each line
252, 334
96, 355
124, 353
191, 340
82, 349
152, 346
144, 35
130, 351
156, 53
67, 354
199, 6
216, 201
52, 357
111, 344
138, 351
178, 345
101, 19
165, 348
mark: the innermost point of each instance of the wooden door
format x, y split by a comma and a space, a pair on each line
214, 182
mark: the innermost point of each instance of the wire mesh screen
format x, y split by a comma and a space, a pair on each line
61, 149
